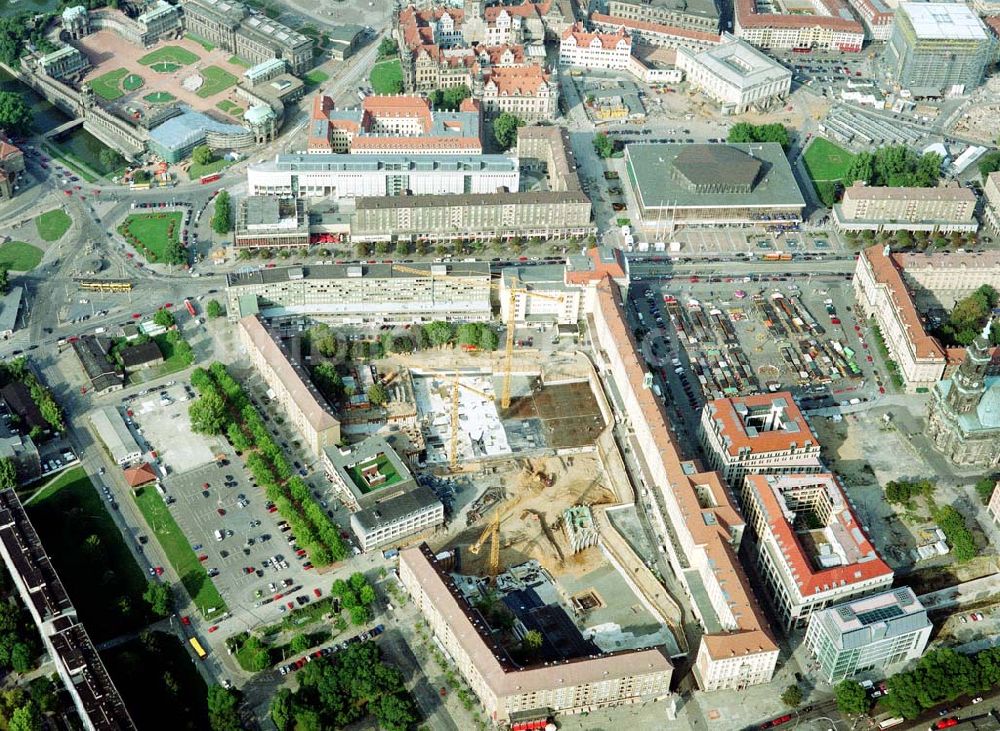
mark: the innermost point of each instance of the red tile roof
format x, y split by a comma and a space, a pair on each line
734, 431
517, 80
839, 17
601, 269
600, 19
863, 562
583, 38
141, 475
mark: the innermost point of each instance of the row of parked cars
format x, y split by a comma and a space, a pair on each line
330, 650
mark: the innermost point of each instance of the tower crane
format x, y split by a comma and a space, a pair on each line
513, 291
492, 532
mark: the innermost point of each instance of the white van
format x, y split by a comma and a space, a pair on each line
219, 535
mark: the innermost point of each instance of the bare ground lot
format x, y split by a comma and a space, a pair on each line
568, 412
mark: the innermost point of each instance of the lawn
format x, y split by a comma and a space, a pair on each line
19, 256
166, 67
196, 170
387, 77
230, 108
140, 668
237, 61
73, 163
384, 466
160, 97
826, 164
317, 77
103, 580
207, 45
132, 82
109, 86
172, 361
52, 225
216, 80
153, 230
178, 549
169, 54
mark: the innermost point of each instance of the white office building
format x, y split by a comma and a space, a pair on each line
868, 635
352, 176
735, 75
594, 50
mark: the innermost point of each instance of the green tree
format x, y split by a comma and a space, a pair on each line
4, 283
852, 700
791, 696
221, 220
25, 718
214, 309
989, 163
488, 339
164, 318
366, 595
388, 47
532, 639
22, 658
8, 474
450, 99
43, 693
281, 709
299, 644
985, 486
15, 114
468, 334
222, 709
377, 394
603, 145
157, 595
208, 414
109, 159
505, 129
202, 155
439, 332
140, 176
744, 133
328, 381
956, 532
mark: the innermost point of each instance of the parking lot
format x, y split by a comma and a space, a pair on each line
737, 336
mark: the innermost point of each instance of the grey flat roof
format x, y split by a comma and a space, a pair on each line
944, 21
396, 507
362, 163
10, 305
369, 451
544, 197
740, 64
115, 434
345, 271
650, 168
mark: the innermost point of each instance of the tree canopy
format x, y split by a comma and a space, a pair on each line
221, 220
852, 700
894, 165
941, 675
164, 318
15, 114
157, 595
505, 129
989, 163
744, 132
603, 145
8, 474
202, 155
450, 99
222, 709
969, 316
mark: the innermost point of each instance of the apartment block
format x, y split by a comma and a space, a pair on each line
869, 636
764, 434
937, 46
703, 528
304, 406
577, 47
867, 208
736, 76
698, 15
365, 293
352, 176
877, 16
386, 502
991, 207
649, 33
506, 689
810, 548
829, 27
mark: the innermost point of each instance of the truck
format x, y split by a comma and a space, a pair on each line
189, 306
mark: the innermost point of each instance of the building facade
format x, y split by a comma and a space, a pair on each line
810, 548
365, 293
764, 434
352, 176
866, 208
248, 34
991, 203
876, 16
936, 46
606, 51
304, 406
868, 636
505, 689
831, 27
530, 92
963, 419
736, 75
269, 222
700, 15
64, 63
994, 505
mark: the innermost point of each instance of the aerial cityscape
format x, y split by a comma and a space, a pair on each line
460, 365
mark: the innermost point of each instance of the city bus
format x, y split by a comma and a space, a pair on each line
198, 649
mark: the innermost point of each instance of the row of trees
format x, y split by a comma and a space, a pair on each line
339, 690
356, 596
969, 316
331, 344
895, 165
941, 676
223, 213
745, 133
223, 407
901, 492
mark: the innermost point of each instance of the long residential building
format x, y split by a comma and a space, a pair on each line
73, 654
351, 176
762, 434
873, 208
887, 287
249, 34
872, 635
991, 203
508, 690
877, 17
365, 293
651, 33
577, 47
810, 548
705, 529
736, 75
830, 27
304, 406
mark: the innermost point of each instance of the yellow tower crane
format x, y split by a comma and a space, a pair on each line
492, 532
